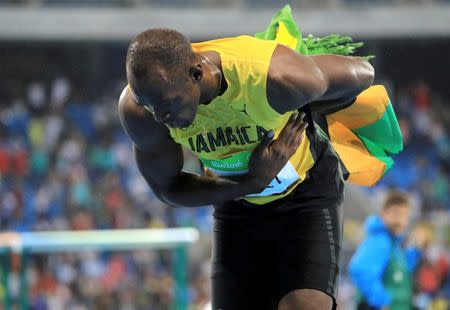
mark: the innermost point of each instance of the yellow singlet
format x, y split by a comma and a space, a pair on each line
225, 132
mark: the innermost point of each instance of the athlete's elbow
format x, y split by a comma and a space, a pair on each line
364, 75
163, 192
177, 195
170, 197
162, 196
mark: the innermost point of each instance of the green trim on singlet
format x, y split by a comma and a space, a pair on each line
234, 163
321, 132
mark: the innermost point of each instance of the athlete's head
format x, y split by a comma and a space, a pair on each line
164, 75
395, 211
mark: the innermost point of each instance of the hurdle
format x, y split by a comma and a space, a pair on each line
26, 243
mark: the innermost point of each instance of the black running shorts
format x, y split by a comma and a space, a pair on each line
257, 261
263, 252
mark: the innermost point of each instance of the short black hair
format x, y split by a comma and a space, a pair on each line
158, 47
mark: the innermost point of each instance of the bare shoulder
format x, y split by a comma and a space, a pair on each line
139, 124
292, 77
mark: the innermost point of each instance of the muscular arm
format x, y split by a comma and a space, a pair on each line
160, 161
295, 80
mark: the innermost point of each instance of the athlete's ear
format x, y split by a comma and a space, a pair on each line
196, 73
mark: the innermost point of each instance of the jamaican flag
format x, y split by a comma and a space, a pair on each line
365, 133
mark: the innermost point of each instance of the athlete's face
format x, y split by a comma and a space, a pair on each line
396, 217
171, 98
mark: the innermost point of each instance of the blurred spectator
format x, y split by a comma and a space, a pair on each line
59, 92
422, 167
54, 126
4, 156
421, 96
36, 98
380, 268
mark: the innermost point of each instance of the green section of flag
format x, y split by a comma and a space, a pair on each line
385, 132
332, 44
378, 152
284, 16
383, 137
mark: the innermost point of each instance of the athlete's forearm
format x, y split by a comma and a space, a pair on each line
163, 173
191, 190
345, 76
330, 106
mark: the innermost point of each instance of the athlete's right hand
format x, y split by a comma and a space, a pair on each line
270, 156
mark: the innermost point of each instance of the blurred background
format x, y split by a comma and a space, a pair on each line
66, 163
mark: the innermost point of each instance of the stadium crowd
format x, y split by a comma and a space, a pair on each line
66, 163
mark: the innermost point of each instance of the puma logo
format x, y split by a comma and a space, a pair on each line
244, 110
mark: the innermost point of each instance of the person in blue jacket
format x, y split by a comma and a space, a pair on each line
381, 268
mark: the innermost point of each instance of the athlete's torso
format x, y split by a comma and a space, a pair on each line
225, 131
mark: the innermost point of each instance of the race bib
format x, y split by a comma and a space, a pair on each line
285, 178
238, 164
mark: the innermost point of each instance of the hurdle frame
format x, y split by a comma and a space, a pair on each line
27, 243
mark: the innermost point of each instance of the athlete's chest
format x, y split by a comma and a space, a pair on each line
221, 129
